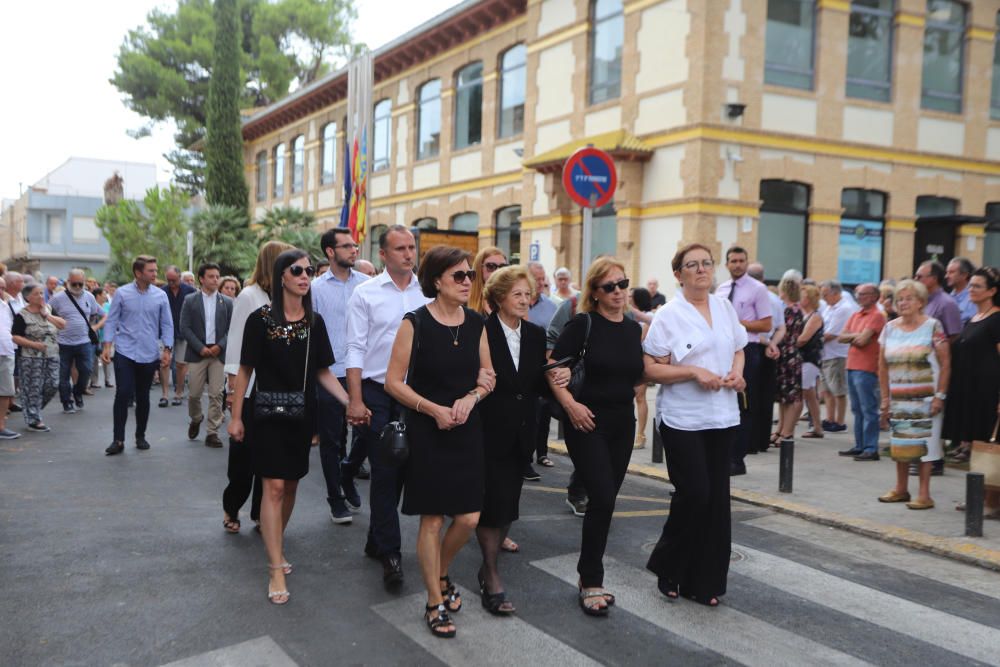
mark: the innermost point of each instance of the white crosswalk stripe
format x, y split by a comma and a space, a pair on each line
746, 640
964, 637
482, 639
260, 652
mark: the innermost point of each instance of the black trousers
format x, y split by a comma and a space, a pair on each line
242, 481
745, 440
693, 551
543, 416
762, 404
601, 458
133, 380
332, 423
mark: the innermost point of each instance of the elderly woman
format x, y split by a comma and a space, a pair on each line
810, 344
694, 349
230, 286
34, 331
913, 371
487, 261
784, 348
601, 420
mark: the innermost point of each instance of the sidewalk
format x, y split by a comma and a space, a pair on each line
842, 493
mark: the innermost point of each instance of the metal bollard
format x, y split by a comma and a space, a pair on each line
785, 466
975, 493
657, 445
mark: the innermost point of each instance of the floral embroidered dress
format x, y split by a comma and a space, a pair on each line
913, 377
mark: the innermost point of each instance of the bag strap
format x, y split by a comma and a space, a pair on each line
586, 338
305, 371
77, 306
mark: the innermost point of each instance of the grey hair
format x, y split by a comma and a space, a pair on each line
535, 265
187, 274
964, 265
78, 272
832, 285
13, 275
562, 271
792, 274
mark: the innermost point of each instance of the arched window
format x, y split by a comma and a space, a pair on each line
429, 120
469, 105
781, 233
328, 155
262, 176
298, 162
382, 135
508, 233
862, 227
607, 35
426, 223
512, 82
279, 171
465, 222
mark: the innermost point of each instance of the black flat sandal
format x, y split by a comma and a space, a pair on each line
451, 595
494, 602
668, 588
441, 620
709, 602
593, 610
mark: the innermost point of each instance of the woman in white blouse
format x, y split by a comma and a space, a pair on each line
694, 349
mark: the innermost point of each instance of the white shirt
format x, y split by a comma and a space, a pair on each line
680, 331
250, 299
374, 313
834, 319
513, 337
208, 300
777, 313
6, 324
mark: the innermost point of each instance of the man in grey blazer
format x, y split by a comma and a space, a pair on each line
204, 324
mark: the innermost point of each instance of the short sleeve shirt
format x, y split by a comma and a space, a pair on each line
865, 358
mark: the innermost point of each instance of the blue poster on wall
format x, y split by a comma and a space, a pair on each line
860, 256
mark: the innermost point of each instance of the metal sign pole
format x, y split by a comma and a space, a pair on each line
586, 242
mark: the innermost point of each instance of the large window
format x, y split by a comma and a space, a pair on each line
606, 38
991, 247
788, 54
781, 235
469, 105
298, 162
508, 233
862, 225
869, 50
933, 207
943, 53
279, 171
995, 95
262, 176
512, 68
604, 232
328, 155
85, 230
382, 136
465, 222
429, 120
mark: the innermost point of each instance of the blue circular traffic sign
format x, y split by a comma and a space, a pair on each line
589, 177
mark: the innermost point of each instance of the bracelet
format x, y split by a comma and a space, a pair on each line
473, 392
419, 401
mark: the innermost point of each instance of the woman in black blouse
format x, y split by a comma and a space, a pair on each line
601, 421
288, 348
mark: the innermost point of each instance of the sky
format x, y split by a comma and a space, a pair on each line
55, 61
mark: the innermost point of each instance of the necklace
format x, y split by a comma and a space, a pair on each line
454, 335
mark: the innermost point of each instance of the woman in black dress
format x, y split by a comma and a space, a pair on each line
444, 472
601, 422
287, 346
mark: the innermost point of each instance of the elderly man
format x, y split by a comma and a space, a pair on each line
15, 282
658, 298
365, 267
835, 316
861, 335
957, 275
187, 277
77, 339
6, 369
564, 286
177, 290
940, 305
51, 283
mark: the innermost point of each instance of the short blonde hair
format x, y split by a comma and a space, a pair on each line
791, 289
502, 282
918, 289
598, 269
810, 294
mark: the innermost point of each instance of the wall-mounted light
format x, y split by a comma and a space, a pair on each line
735, 109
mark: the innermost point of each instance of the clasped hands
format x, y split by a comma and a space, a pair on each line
712, 382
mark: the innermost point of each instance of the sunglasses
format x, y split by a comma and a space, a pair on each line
610, 287
297, 270
493, 266
460, 276
76, 284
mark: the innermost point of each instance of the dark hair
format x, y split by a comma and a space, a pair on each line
97, 291
321, 263
642, 300
678, 259
383, 238
285, 260
206, 267
937, 270
329, 238
139, 265
438, 259
733, 250
992, 277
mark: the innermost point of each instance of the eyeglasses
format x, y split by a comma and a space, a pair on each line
460, 276
297, 269
76, 284
346, 246
693, 265
610, 287
493, 266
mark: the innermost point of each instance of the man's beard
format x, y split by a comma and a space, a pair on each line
345, 263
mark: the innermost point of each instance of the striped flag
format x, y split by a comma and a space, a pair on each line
360, 81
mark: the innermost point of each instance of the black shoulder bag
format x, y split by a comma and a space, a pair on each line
284, 405
91, 334
394, 444
578, 374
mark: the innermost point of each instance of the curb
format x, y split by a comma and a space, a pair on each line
954, 548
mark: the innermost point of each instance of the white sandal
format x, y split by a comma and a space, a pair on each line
272, 596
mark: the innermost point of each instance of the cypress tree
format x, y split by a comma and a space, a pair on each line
225, 183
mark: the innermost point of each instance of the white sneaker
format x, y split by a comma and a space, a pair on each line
7, 434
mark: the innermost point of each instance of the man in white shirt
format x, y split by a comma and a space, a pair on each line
6, 368
374, 312
330, 294
838, 310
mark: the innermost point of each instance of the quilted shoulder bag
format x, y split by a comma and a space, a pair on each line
284, 405
577, 373
394, 442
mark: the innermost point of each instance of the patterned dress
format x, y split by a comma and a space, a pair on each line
913, 377
790, 361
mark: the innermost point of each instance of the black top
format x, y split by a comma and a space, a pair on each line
277, 352
974, 388
658, 300
176, 302
812, 352
614, 358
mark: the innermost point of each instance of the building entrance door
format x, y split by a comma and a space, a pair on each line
934, 240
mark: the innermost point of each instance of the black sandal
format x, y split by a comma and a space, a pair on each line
231, 525
593, 611
434, 623
668, 588
451, 595
494, 602
710, 602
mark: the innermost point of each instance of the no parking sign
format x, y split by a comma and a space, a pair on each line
589, 177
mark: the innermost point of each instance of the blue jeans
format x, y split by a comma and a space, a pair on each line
332, 433
83, 356
864, 393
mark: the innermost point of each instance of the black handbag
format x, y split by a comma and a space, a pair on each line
577, 371
91, 334
394, 443
284, 405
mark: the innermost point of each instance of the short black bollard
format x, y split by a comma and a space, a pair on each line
975, 492
657, 445
785, 465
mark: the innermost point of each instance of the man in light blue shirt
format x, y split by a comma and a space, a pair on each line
957, 275
330, 294
79, 308
138, 321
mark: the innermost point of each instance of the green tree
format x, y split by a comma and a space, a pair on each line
293, 226
156, 226
222, 235
164, 67
225, 184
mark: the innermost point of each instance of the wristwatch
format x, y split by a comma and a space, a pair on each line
940, 395
168, 348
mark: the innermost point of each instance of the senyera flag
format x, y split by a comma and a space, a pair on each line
359, 195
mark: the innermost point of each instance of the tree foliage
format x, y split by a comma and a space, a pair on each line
293, 226
156, 226
222, 235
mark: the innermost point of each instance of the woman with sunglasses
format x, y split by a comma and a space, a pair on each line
445, 469
601, 419
694, 349
487, 261
288, 349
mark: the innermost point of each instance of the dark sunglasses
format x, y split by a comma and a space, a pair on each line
493, 266
610, 287
460, 276
76, 284
297, 269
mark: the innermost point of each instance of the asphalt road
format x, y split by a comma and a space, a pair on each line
123, 561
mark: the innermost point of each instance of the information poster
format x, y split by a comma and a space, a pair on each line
860, 257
